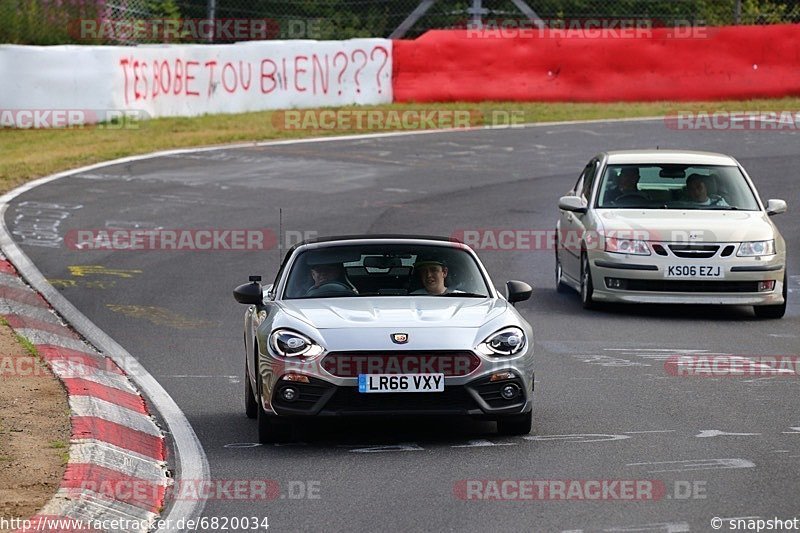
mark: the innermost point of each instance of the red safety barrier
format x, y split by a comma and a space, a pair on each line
732, 62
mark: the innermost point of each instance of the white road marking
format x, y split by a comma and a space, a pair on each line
480, 443
716, 433
580, 437
607, 361
651, 431
658, 354
403, 447
796, 431
243, 445
696, 464
231, 379
666, 527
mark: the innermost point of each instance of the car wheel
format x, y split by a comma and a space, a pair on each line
270, 429
773, 311
587, 289
560, 286
515, 424
250, 403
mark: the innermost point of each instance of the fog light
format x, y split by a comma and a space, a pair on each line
764, 286
509, 392
501, 376
615, 283
299, 378
289, 394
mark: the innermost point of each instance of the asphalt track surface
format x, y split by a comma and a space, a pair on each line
605, 408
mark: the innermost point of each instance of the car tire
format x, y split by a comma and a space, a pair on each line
515, 424
250, 403
773, 311
270, 429
587, 289
561, 287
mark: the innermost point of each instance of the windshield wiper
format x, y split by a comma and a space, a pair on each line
465, 294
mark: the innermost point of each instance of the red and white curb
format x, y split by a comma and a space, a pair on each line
117, 471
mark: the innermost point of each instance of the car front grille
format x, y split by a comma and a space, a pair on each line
694, 251
347, 400
449, 362
647, 285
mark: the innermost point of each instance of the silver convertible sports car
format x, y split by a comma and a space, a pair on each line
673, 227
385, 325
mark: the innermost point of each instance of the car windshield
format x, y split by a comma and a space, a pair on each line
385, 270
670, 186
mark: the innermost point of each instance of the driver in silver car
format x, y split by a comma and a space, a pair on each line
627, 183
329, 277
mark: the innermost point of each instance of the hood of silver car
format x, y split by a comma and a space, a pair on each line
395, 311
670, 225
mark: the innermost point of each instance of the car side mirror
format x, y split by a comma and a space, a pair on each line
574, 204
249, 293
517, 291
776, 207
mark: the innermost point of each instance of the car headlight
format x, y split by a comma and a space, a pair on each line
288, 343
627, 246
756, 249
508, 341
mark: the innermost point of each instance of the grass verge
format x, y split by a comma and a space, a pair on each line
28, 154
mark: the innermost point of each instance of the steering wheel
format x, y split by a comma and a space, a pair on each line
628, 196
331, 288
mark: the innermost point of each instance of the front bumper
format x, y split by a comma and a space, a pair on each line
478, 397
643, 279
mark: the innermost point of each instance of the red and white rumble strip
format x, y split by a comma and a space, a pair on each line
114, 439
